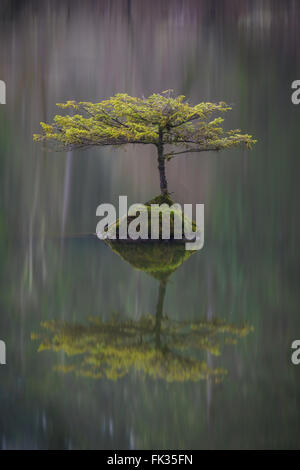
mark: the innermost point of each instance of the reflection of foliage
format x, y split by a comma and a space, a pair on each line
154, 345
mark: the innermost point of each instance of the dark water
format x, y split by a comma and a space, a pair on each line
242, 52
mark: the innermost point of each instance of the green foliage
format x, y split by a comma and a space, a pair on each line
161, 119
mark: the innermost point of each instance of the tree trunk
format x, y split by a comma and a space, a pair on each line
161, 166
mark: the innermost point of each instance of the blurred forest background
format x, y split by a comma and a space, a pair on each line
243, 52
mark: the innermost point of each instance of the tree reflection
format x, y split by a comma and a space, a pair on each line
156, 345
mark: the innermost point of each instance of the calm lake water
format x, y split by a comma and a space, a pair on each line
246, 277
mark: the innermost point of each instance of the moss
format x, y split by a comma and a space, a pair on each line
159, 259
161, 199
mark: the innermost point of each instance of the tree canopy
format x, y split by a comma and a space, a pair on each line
167, 121
159, 119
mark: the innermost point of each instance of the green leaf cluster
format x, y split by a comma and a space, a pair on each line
162, 119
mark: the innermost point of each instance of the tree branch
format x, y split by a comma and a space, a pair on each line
170, 155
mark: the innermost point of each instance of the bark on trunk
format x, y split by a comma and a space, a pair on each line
161, 166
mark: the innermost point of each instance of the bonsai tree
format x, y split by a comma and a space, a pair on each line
166, 121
